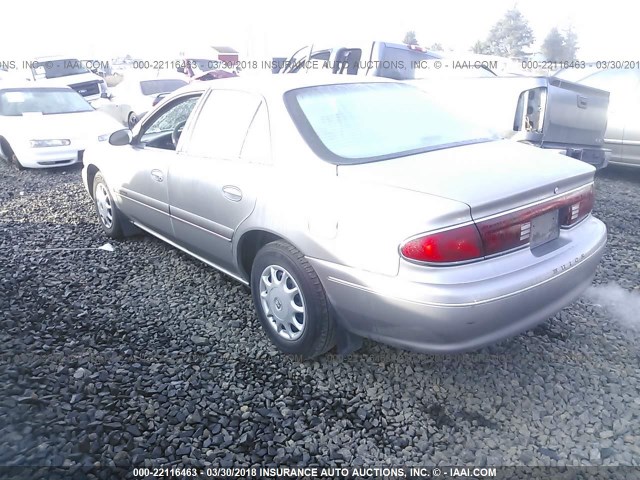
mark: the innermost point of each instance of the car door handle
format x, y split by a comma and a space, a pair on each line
233, 193
157, 175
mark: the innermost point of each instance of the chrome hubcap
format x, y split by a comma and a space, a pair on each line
282, 302
103, 202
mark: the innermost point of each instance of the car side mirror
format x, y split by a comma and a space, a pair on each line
121, 137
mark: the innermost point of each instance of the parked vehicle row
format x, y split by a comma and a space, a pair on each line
355, 208
142, 89
63, 71
48, 118
543, 111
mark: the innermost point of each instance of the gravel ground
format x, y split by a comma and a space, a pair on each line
144, 356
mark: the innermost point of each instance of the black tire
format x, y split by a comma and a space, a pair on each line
7, 152
16, 162
318, 333
132, 120
114, 230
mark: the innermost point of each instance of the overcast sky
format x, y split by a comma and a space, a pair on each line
159, 30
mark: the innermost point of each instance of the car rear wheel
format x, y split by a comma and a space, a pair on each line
291, 302
108, 214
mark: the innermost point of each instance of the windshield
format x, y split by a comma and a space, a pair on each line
363, 122
156, 86
50, 101
59, 68
401, 63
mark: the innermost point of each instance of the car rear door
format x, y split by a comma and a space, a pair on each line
213, 181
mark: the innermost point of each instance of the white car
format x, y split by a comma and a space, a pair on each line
138, 92
63, 71
44, 127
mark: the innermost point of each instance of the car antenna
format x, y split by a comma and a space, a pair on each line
309, 59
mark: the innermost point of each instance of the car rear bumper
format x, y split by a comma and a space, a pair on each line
598, 157
466, 308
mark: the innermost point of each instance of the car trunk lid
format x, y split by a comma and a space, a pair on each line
490, 177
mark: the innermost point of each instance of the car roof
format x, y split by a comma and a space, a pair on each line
150, 74
56, 57
273, 84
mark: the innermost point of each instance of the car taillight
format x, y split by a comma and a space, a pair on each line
577, 207
455, 245
498, 234
530, 110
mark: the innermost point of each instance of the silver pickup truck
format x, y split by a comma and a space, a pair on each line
544, 111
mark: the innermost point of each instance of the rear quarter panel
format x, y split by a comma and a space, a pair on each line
355, 224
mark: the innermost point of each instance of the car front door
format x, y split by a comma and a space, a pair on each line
213, 180
143, 189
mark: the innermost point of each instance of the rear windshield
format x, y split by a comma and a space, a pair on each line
156, 86
401, 63
364, 122
59, 68
14, 102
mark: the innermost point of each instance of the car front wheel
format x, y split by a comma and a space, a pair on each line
108, 213
291, 302
16, 162
132, 120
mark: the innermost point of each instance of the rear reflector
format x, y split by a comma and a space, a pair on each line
498, 234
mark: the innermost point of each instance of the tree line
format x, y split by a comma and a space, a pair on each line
511, 36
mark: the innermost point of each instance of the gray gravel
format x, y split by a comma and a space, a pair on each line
144, 356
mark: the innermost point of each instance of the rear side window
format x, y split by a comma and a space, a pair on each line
156, 86
347, 61
363, 122
222, 125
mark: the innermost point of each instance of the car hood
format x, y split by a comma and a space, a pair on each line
214, 75
72, 79
66, 125
490, 177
